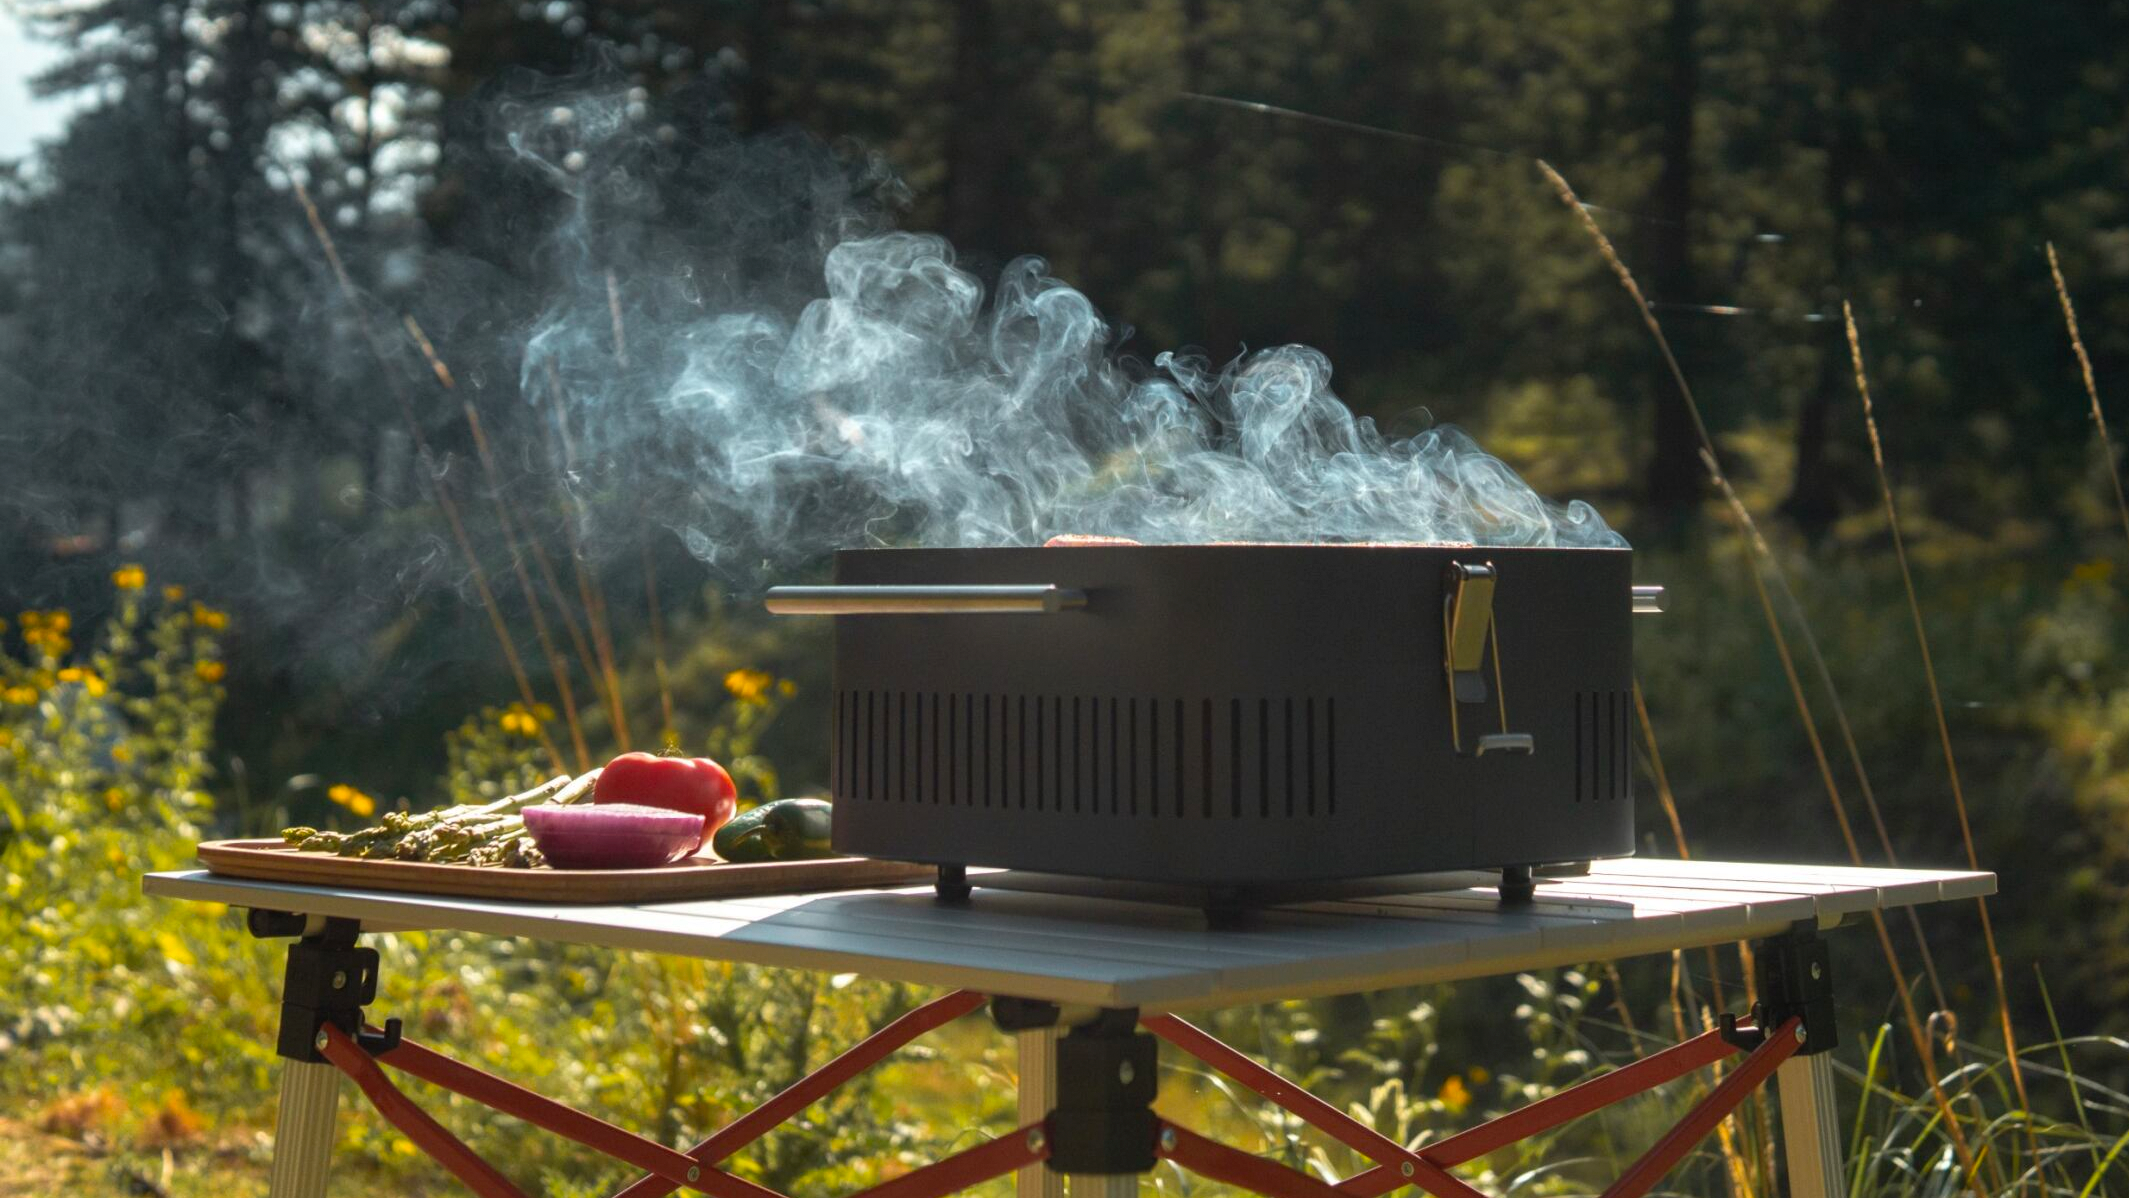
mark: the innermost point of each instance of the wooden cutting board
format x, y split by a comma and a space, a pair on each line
688, 878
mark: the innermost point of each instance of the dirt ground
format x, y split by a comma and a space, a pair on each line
34, 1164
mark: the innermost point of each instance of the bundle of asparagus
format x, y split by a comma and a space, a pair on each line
469, 834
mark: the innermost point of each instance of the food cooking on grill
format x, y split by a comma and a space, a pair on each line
785, 830
612, 835
696, 785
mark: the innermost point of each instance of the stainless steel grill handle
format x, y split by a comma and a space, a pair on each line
1648, 600
1036, 599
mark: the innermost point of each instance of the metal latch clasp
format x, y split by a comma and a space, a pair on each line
1468, 631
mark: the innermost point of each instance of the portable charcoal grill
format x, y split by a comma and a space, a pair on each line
1232, 719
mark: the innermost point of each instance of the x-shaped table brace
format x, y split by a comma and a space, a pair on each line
1097, 1127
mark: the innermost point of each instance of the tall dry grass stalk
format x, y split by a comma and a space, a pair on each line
1765, 554
1917, 1028
435, 486
2084, 366
669, 732
1817, 656
1727, 1141
1669, 802
555, 663
589, 592
1814, 652
586, 658
556, 666
1664, 796
1936, 702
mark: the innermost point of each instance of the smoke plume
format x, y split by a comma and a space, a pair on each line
747, 345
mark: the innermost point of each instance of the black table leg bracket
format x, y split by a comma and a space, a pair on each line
329, 980
1107, 1073
1793, 973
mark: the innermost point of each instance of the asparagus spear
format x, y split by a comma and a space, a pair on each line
416, 836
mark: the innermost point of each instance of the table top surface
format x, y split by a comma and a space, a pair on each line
1118, 953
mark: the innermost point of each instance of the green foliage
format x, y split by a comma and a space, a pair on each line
172, 1007
103, 768
496, 752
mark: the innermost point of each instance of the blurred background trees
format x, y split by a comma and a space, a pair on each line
189, 384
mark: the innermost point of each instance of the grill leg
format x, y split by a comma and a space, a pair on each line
952, 886
1038, 1094
1517, 884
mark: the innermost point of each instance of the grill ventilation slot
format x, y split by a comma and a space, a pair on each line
1090, 755
1603, 756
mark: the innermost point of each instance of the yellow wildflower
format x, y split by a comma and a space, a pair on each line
129, 577
20, 695
517, 719
122, 754
1478, 1075
748, 686
114, 798
1453, 1096
88, 679
6, 738
173, 594
209, 671
352, 799
47, 631
55, 620
208, 617
786, 687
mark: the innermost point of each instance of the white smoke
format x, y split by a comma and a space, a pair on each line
862, 388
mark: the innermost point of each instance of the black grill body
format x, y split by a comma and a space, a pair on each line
1235, 715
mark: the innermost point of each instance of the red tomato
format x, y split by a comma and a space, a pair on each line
692, 784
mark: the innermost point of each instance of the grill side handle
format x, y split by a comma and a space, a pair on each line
1036, 599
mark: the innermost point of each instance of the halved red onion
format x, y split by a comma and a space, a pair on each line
612, 835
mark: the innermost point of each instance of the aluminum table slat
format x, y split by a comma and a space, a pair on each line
1111, 952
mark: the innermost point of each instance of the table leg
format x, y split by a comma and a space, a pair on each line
303, 1129
1038, 1093
1810, 1126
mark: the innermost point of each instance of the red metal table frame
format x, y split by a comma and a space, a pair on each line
1117, 964
1427, 1168
1106, 1123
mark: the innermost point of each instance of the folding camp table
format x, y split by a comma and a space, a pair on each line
1092, 986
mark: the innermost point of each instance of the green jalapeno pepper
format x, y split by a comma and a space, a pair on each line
785, 830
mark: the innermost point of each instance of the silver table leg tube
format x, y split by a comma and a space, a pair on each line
1038, 1094
1811, 1141
304, 1129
